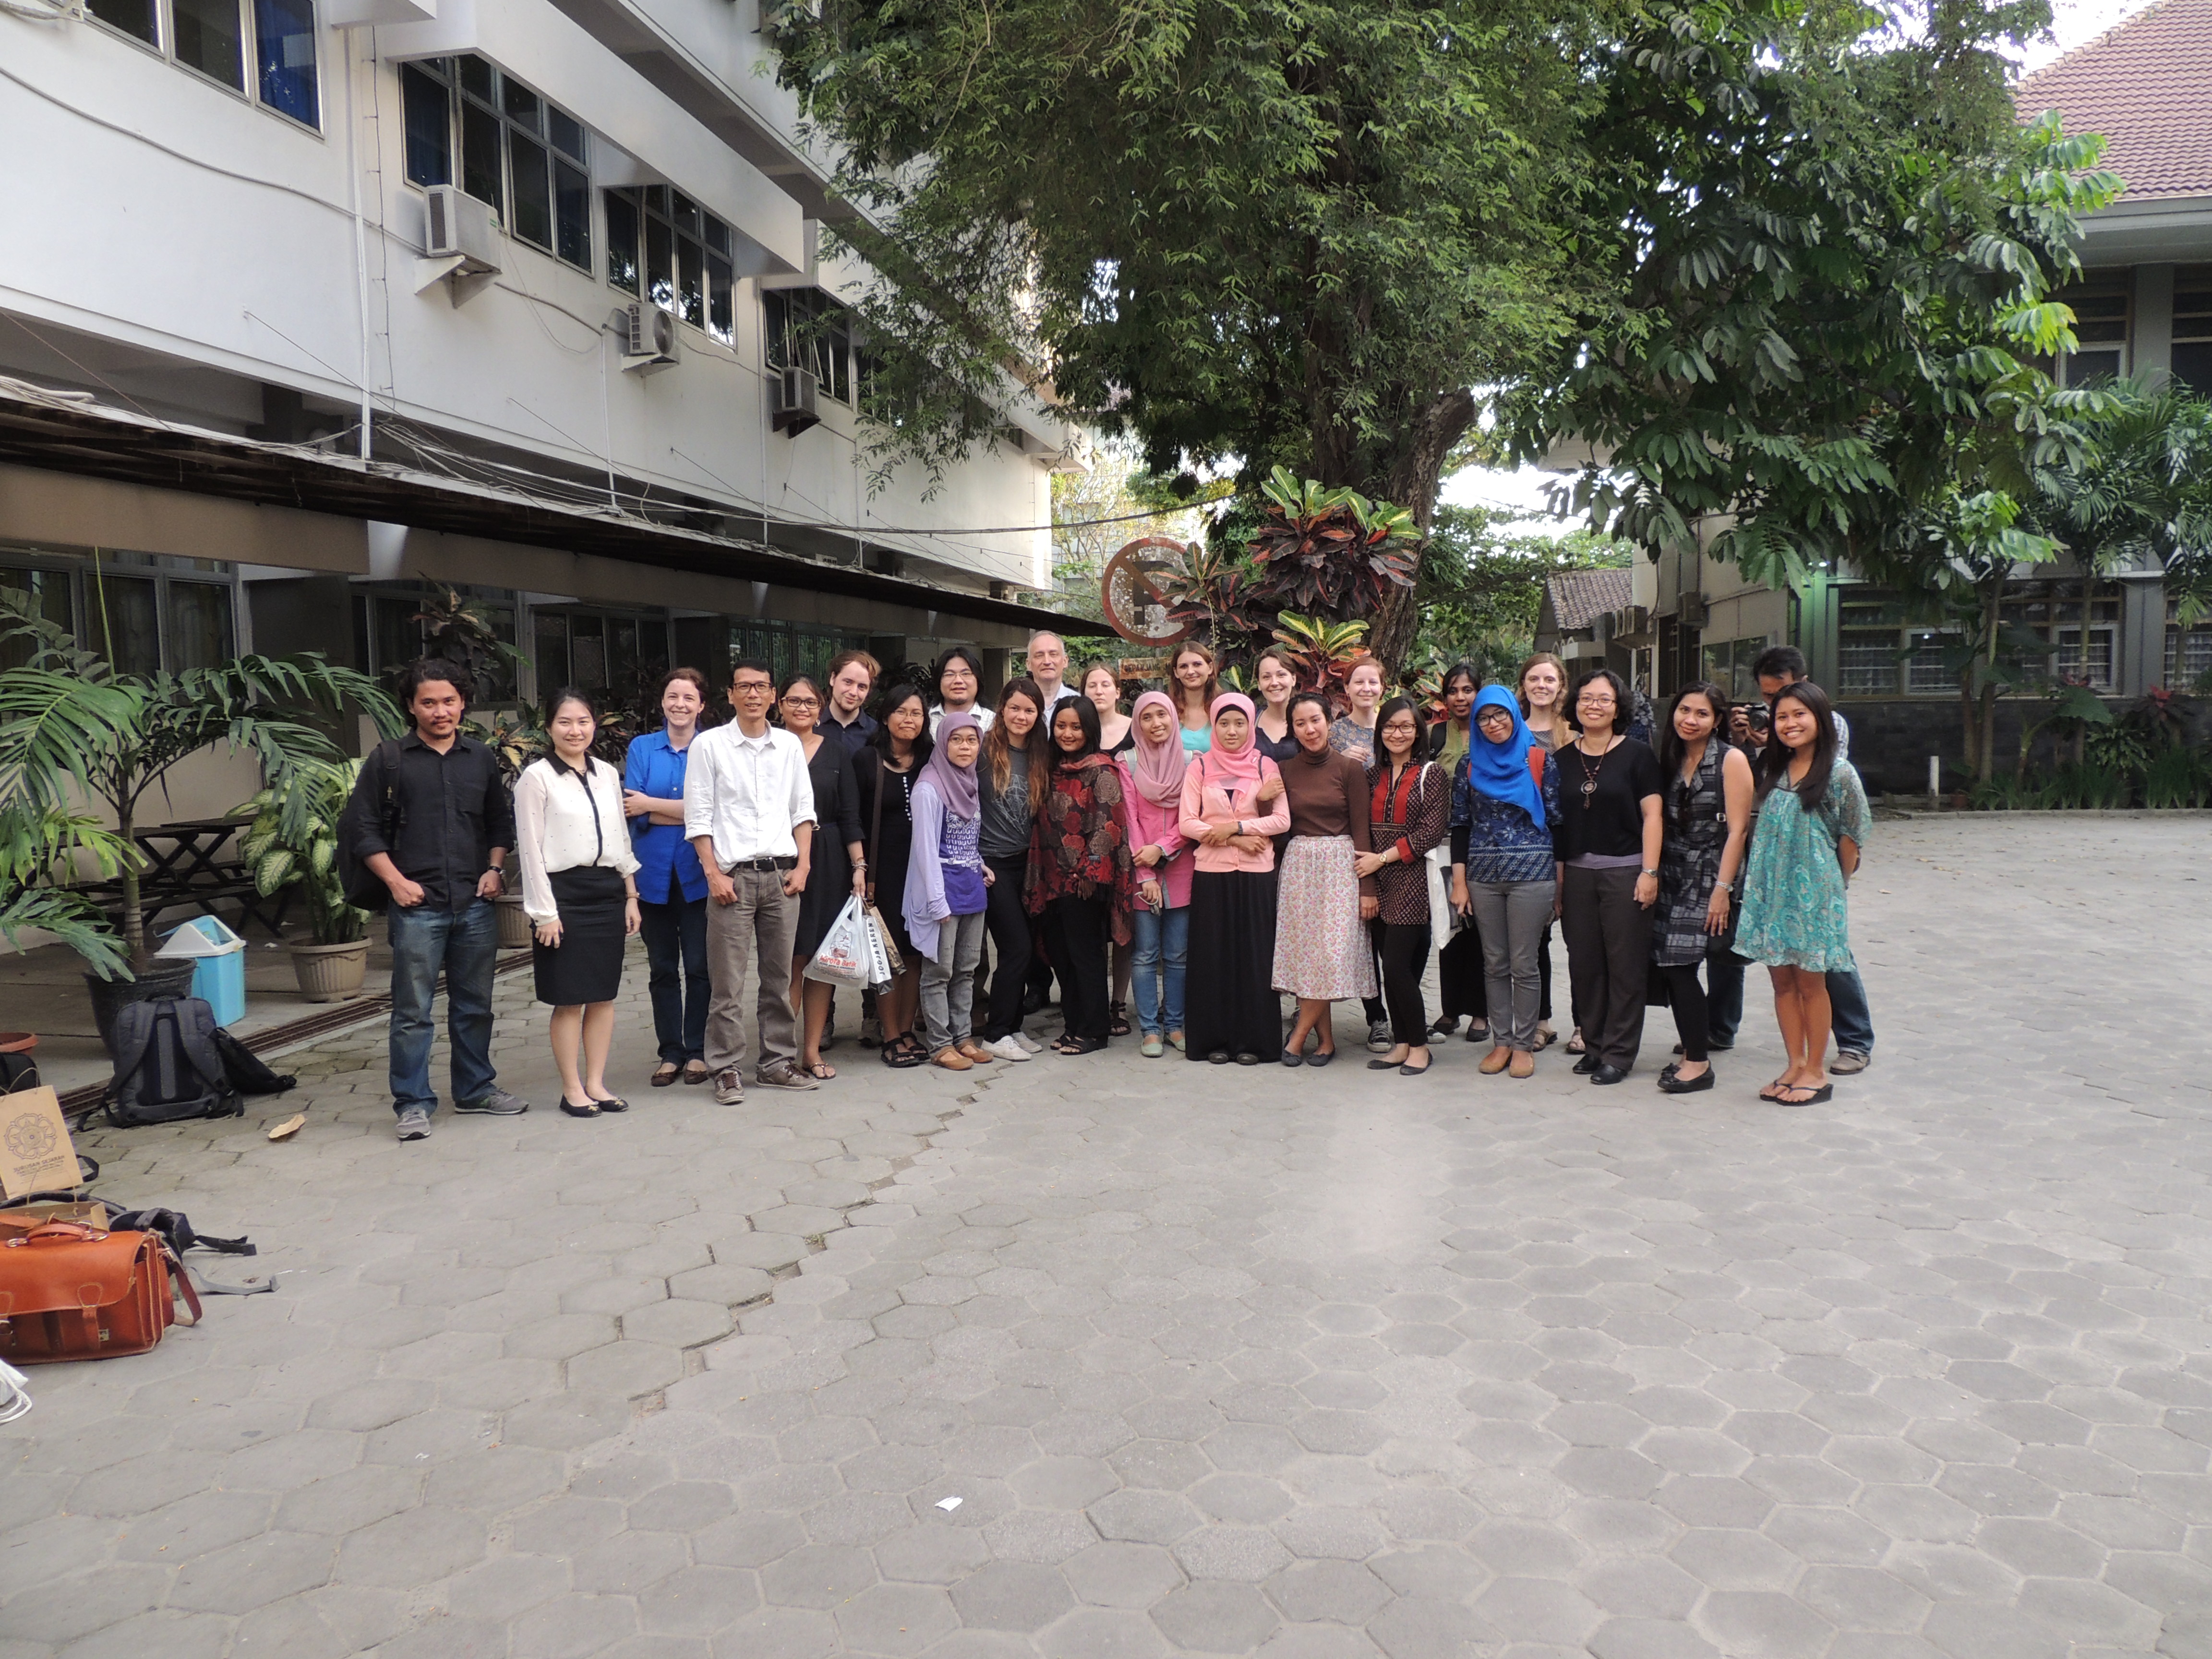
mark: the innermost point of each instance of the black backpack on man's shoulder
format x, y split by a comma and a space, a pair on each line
167, 1068
377, 793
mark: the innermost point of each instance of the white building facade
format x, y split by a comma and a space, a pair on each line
561, 263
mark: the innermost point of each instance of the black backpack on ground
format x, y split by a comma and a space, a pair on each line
249, 1073
377, 798
167, 1068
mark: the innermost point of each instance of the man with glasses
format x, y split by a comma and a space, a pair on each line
748, 810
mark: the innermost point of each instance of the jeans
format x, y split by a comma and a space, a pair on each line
1010, 929
756, 931
1514, 918
676, 950
1161, 949
464, 942
948, 982
1850, 1019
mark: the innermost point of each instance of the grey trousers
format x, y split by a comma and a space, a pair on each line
948, 982
760, 929
1509, 918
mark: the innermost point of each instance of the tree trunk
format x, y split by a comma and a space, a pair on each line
1973, 727
134, 920
1413, 482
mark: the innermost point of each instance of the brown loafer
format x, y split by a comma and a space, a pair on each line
952, 1060
975, 1052
1524, 1064
666, 1073
694, 1072
1495, 1061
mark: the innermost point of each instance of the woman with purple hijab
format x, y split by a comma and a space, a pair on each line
947, 888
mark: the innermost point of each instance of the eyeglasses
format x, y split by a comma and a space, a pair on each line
1495, 717
801, 702
1586, 701
750, 688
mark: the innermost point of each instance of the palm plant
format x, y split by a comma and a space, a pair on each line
1323, 653
69, 722
33, 846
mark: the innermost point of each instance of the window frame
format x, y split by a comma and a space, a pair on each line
510, 125
78, 567
2078, 297
164, 46
818, 327
661, 213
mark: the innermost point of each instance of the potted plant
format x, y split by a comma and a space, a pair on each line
71, 728
293, 838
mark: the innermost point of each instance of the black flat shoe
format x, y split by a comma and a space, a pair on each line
1291, 1057
1478, 1034
1587, 1064
1606, 1075
611, 1104
1414, 1070
1443, 1025
1670, 1084
589, 1109
1246, 1057
1321, 1060
1382, 1064
1218, 1057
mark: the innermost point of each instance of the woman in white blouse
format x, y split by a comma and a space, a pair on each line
579, 891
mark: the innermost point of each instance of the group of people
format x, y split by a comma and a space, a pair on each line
1203, 855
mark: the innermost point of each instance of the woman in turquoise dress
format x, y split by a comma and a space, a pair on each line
1813, 819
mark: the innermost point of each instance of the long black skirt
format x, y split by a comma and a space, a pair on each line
1229, 998
586, 966
1462, 985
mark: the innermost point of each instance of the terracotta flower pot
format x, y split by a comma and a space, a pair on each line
514, 925
331, 973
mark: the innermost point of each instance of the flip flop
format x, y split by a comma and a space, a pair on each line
821, 1070
1813, 1097
1774, 1090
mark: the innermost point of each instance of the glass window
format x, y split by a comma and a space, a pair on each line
284, 54
479, 79
567, 134
587, 652
1866, 661
49, 593
427, 110
2188, 657
691, 292
210, 37
481, 164
721, 321
523, 107
122, 623
572, 214
1925, 670
660, 264
532, 219
199, 625
622, 242
805, 326
2101, 325
135, 18
2192, 365
2098, 672
551, 633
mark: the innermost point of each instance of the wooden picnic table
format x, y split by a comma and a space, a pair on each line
186, 864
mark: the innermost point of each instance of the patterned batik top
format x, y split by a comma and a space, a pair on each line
1497, 840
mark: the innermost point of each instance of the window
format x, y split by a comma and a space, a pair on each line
2053, 610
806, 328
1727, 664
625, 652
525, 156
791, 648
663, 246
143, 614
2192, 329
2188, 652
386, 636
2100, 328
272, 41
1879, 654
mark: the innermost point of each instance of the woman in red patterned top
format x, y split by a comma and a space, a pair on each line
1408, 809
1081, 878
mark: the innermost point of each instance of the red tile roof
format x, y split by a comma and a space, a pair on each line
2147, 86
1579, 598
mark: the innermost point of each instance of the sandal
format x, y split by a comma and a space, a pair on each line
1774, 1091
1575, 1043
898, 1055
1813, 1097
821, 1071
1117, 1020
667, 1072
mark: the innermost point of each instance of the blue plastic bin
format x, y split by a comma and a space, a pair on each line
219, 966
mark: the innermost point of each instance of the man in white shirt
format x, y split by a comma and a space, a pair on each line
748, 810
1047, 664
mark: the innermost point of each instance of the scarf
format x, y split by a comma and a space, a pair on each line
1231, 770
1500, 770
956, 786
1157, 768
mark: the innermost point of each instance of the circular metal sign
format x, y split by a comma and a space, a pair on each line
1131, 596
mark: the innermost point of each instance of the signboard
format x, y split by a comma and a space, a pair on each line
1131, 594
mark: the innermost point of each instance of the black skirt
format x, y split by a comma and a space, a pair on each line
586, 966
1229, 1000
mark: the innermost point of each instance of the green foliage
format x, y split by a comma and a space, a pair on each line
1323, 653
2178, 777
459, 630
38, 851
1481, 587
295, 838
1329, 552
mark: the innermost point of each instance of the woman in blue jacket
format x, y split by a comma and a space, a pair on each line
671, 888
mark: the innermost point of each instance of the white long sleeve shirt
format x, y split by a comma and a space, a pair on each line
749, 793
559, 823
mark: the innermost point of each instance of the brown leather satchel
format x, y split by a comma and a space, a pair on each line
72, 1291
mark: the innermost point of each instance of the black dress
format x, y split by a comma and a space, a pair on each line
887, 854
836, 826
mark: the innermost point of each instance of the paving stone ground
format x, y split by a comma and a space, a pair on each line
1314, 1365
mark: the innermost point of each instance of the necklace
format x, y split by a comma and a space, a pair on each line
1590, 774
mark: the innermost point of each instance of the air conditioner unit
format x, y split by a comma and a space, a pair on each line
1689, 610
794, 403
463, 228
1631, 625
648, 339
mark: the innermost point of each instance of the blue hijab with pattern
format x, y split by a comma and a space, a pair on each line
1500, 770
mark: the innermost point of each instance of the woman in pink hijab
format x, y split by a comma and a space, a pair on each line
1159, 917
1231, 1009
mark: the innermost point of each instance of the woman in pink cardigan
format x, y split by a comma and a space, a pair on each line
1232, 809
1159, 918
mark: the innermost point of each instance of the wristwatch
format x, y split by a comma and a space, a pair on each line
1652, 874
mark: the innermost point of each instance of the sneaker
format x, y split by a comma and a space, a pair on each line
729, 1088
414, 1124
1029, 1043
498, 1103
1848, 1062
784, 1075
1378, 1037
1006, 1048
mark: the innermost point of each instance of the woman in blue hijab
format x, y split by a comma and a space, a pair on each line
1505, 798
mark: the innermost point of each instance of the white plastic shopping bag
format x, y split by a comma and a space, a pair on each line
845, 957
878, 949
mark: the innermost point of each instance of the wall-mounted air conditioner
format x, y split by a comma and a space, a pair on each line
462, 228
1689, 610
794, 390
648, 339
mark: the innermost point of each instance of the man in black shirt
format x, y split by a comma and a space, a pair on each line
432, 820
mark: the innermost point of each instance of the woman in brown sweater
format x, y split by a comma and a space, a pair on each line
1321, 950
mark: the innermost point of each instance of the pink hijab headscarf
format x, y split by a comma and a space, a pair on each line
1230, 769
1155, 769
